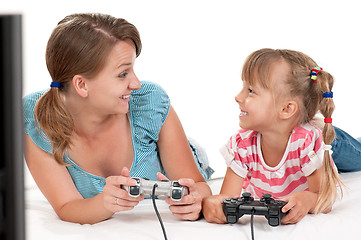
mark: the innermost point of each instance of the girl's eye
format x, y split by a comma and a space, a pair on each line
250, 90
123, 75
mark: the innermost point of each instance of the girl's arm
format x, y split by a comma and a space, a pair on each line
212, 206
57, 186
179, 164
301, 203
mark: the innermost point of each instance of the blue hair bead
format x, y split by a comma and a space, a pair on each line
328, 94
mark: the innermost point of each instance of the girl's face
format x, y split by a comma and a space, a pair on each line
110, 89
259, 109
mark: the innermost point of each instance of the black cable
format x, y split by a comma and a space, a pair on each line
252, 215
156, 211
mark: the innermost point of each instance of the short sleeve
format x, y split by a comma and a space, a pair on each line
149, 109
30, 128
237, 153
312, 151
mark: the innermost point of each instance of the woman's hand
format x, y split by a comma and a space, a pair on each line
117, 199
299, 204
212, 209
189, 208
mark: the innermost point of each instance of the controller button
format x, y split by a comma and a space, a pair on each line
164, 180
232, 219
137, 180
267, 196
246, 195
134, 190
176, 194
273, 221
273, 212
176, 184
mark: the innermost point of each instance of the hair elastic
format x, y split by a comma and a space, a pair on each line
55, 84
328, 94
314, 73
327, 147
328, 120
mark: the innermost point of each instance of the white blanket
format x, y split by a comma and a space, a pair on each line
343, 222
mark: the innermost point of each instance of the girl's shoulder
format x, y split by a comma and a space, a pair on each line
244, 138
306, 131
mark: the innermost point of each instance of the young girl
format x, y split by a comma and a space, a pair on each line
278, 149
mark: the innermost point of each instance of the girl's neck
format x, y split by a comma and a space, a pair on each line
274, 144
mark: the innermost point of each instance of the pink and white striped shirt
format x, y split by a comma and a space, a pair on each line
303, 155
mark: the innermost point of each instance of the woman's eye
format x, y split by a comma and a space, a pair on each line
123, 75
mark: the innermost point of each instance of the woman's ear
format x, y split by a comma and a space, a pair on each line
288, 110
80, 86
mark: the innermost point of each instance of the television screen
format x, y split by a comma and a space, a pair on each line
12, 222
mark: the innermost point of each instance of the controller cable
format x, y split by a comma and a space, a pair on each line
252, 215
157, 212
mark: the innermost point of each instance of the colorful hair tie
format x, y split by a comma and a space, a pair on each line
314, 73
328, 120
55, 84
328, 94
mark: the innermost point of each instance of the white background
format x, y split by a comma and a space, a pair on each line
195, 50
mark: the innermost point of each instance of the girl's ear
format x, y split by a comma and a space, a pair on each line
288, 110
80, 86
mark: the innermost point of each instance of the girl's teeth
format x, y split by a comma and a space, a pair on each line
243, 113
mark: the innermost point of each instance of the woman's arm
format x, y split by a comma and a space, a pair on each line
57, 186
212, 206
179, 164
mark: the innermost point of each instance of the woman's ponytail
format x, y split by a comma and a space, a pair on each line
53, 118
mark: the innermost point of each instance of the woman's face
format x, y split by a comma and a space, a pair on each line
109, 90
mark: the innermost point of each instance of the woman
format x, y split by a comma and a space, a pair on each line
98, 125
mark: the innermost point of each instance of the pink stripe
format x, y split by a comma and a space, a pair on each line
247, 159
275, 181
289, 189
293, 155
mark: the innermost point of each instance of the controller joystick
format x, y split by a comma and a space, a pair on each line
164, 189
234, 208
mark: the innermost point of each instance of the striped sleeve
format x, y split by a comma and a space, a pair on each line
238, 152
311, 152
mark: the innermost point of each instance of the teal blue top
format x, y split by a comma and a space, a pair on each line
148, 109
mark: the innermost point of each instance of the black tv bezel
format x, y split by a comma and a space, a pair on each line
12, 212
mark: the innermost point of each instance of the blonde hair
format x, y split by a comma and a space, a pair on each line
310, 94
79, 44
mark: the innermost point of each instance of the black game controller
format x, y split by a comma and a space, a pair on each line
163, 190
234, 208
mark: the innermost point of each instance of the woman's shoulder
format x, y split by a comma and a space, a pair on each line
30, 100
149, 107
148, 88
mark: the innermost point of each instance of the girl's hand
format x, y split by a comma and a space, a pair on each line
190, 206
299, 204
212, 209
117, 199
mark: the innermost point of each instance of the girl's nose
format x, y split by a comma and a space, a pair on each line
238, 98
